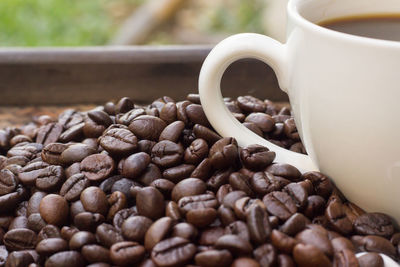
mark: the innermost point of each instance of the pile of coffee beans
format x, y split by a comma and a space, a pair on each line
128, 185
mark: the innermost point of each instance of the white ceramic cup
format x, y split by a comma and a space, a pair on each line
344, 91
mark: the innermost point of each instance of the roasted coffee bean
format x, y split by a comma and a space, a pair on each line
238, 228
243, 261
175, 251
67, 232
147, 127
49, 133
74, 132
172, 211
123, 185
20, 239
283, 242
256, 157
263, 121
54, 209
118, 141
172, 132
196, 115
321, 183
164, 186
219, 178
298, 192
88, 221
253, 127
107, 235
352, 211
258, 224
8, 182
22, 209
76, 153
224, 153
80, 239
126, 253
117, 201
205, 133
374, 224
50, 246
122, 215
28, 150
124, 105
135, 164
223, 191
19, 259
284, 170
150, 203
150, 174
231, 198
296, 223
18, 222
201, 217
74, 168
96, 122
202, 171
315, 206
318, 237
250, 104
94, 200
266, 255
188, 187
341, 243
134, 228
65, 259
51, 153
345, 258
214, 258
371, 259
168, 112
36, 222
166, 154
130, 115
157, 232
10, 201
210, 235
73, 187
49, 231
97, 167
280, 204
235, 244
264, 182
95, 253
184, 230
226, 215
337, 218
308, 255
243, 205
50, 178
240, 182
372, 243
76, 208
178, 173
290, 130
31, 172
69, 117
196, 152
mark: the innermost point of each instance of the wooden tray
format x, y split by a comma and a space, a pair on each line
89, 76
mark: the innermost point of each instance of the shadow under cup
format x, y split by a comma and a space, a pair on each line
345, 93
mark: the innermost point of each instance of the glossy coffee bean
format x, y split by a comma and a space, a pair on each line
94, 200
94, 253
51, 153
80, 239
134, 228
258, 224
250, 104
126, 253
201, 217
175, 251
65, 259
264, 182
54, 209
8, 182
214, 258
122, 215
135, 165
157, 232
76, 153
88, 221
280, 204
318, 237
196, 152
173, 131
374, 224
118, 141
50, 178
107, 235
50, 246
73, 186
188, 187
224, 153
150, 203
147, 127
266, 255
97, 167
49, 231
309, 255
235, 244
20, 239
283, 242
166, 154
19, 259
49, 133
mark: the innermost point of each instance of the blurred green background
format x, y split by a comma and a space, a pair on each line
95, 22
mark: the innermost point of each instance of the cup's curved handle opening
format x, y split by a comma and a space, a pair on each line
245, 45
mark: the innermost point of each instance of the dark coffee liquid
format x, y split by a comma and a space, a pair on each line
385, 27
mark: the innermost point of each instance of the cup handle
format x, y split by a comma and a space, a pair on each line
244, 45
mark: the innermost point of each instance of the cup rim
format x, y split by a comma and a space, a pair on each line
294, 13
